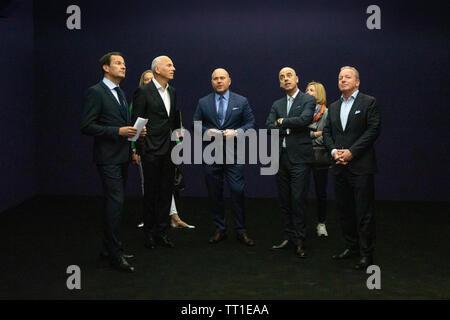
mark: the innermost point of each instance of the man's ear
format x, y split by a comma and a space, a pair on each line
105, 68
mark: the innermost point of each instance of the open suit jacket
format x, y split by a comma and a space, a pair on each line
298, 141
102, 118
148, 104
363, 128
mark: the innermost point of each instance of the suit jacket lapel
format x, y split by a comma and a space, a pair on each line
354, 107
109, 93
283, 108
157, 97
296, 100
172, 101
229, 107
338, 115
212, 109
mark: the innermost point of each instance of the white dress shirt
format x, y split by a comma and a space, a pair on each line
111, 85
345, 111
345, 108
164, 93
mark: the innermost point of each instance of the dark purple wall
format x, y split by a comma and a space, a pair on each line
17, 108
404, 65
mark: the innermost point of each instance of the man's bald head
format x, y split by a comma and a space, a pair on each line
220, 80
220, 71
288, 80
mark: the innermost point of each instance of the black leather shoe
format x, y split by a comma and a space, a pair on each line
243, 237
105, 255
164, 241
300, 252
283, 245
217, 237
346, 254
122, 264
364, 263
149, 242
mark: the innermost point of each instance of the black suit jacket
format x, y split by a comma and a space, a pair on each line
102, 119
298, 141
363, 128
148, 104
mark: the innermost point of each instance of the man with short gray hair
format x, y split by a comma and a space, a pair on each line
156, 102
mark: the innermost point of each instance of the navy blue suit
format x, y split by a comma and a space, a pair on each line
239, 115
102, 118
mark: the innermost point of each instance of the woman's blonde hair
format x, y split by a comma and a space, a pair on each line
320, 92
141, 81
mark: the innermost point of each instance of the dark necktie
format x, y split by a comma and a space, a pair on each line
123, 106
221, 107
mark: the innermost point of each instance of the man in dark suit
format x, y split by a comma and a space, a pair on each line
223, 113
292, 115
105, 117
353, 125
156, 101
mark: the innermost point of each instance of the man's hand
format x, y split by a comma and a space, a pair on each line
343, 156
143, 132
128, 132
229, 133
318, 134
279, 122
179, 133
214, 133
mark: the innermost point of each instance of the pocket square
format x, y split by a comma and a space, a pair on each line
357, 111
236, 108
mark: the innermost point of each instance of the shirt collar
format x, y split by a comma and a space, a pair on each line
158, 86
226, 95
294, 95
111, 85
352, 96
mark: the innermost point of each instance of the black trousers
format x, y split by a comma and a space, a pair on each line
355, 203
159, 174
292, 181
320, 184
113, 179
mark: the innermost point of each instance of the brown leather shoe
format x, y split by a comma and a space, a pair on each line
217, 237
243, 237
